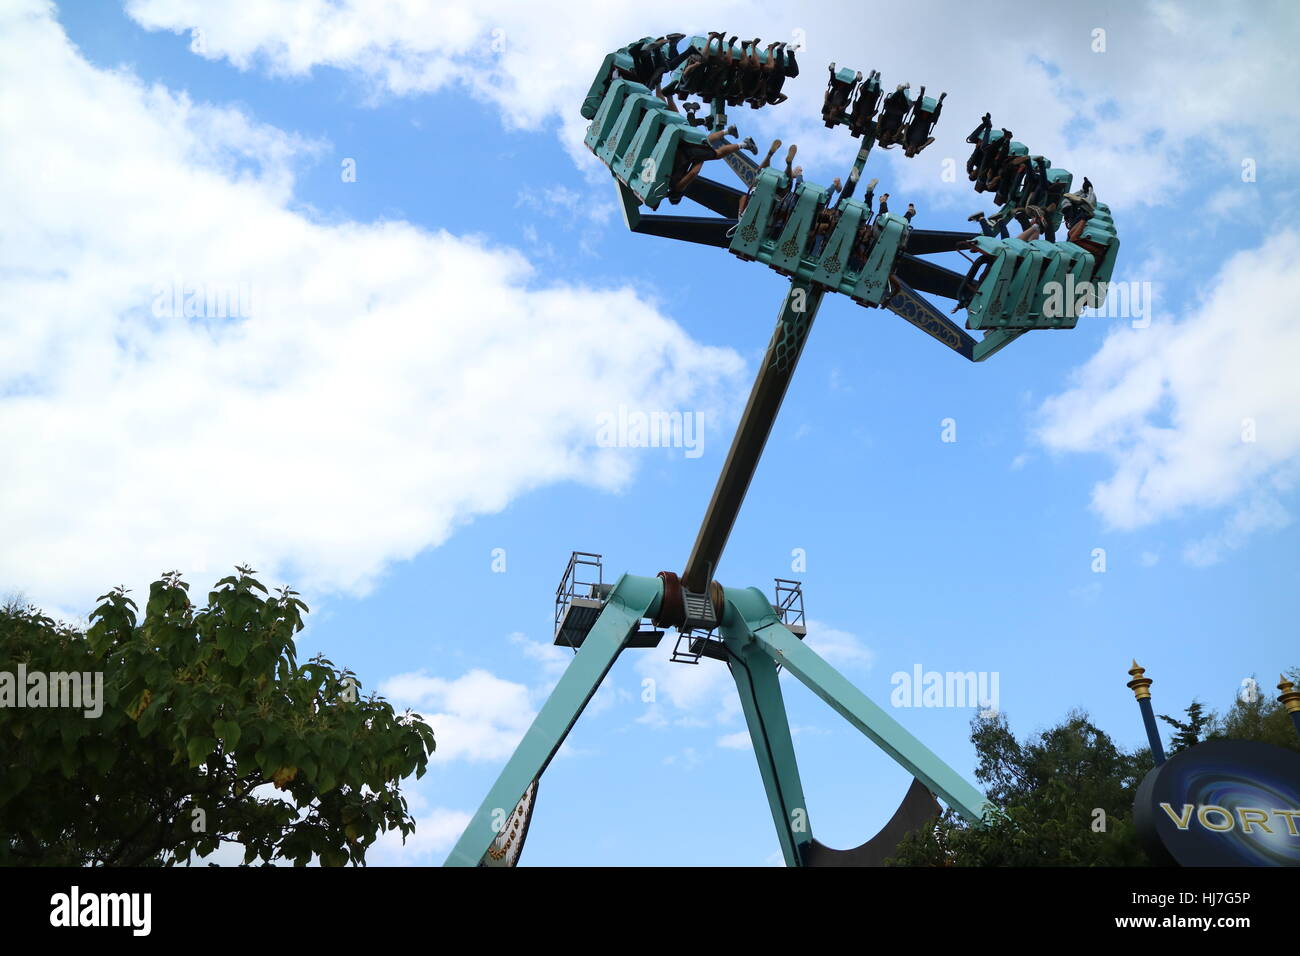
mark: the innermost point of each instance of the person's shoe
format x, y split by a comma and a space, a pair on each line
789, 156
731, 131
776, 144
976, 217
871, 186
749, 144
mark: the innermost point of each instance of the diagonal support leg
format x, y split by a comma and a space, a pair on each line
850, 703
632, 599
760, 696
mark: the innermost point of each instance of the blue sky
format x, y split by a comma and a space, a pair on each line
436, 340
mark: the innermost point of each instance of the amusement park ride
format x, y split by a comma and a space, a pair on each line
654, 153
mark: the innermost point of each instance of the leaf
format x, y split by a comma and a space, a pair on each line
199, 748
237, 649
141, 703
283, 776
229, 732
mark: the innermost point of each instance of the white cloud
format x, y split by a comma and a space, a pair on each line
477, 716
436, 830
389, 383
703, 688
1125, 116
737, 741
1200, 413
1261, 513
689, 758
553, 658
839, 648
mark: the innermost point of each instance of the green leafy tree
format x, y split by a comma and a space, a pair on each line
1190, 731
1046, 791
211, 732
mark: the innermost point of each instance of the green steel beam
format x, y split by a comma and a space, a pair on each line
632, 599
759, 687
749, 608
995, 341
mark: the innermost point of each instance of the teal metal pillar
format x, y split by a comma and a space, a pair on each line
759, 687
632, 599
749, 609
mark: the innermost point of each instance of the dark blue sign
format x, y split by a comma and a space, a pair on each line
1223, 803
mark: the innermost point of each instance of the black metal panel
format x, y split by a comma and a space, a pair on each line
705, 230
925, 241
724, 200
925, 276
918, 809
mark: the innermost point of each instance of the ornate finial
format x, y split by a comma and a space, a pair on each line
1290, 697
1139, 685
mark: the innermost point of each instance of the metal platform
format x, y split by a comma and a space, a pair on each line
579, 601
788, 604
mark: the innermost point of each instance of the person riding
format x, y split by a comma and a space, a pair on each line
917, 135
896, 105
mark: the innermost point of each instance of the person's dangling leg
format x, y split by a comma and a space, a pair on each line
684, 183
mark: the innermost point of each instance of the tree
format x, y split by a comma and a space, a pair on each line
206, 714
1190, 731
1255, 714
1046, 792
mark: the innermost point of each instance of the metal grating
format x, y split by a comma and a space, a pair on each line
788, 604
579, 598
